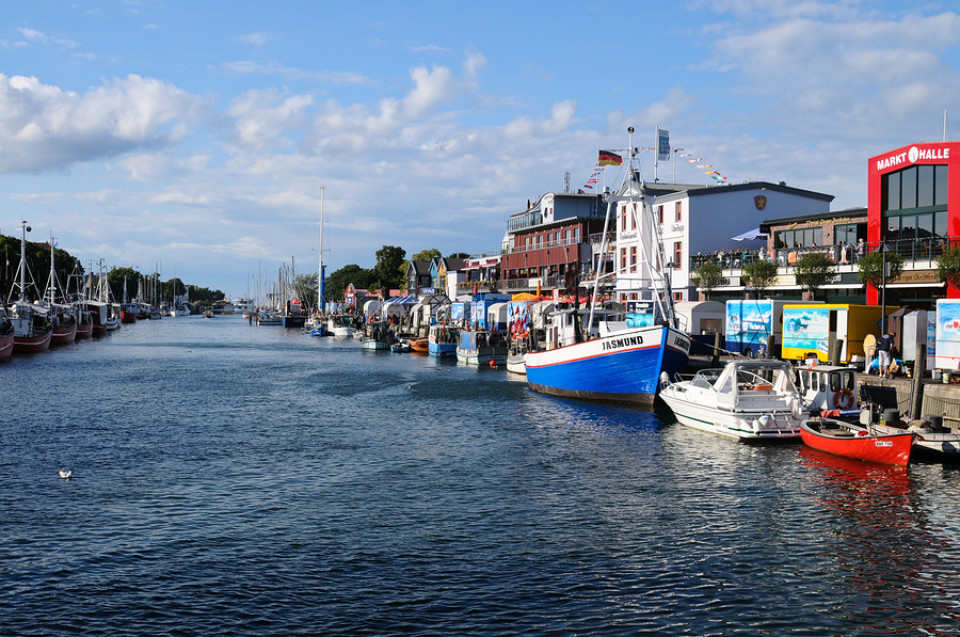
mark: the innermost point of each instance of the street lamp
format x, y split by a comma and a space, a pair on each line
885, 272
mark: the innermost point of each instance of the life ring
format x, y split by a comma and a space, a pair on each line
844, 399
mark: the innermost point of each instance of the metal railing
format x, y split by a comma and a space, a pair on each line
916, 253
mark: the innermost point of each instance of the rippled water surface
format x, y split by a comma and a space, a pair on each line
230, 479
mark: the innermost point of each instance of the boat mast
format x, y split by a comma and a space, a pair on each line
611, 199
321, 300
51, 285
24, 229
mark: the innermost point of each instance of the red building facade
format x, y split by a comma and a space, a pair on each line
913, 207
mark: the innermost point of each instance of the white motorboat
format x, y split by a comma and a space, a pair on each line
750, 400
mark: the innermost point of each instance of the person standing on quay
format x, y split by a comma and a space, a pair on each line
885, 353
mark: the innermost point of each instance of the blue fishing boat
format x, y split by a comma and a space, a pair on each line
600, 356
442, 341
621, 364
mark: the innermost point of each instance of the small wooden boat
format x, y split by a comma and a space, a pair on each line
855, 441
419, 345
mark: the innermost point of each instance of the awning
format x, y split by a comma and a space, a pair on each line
750, 235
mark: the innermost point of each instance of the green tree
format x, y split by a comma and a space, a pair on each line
387, 270
173, 288
814, 271
708, 277
305, 286
118, 277
204, 296
337, 282
948, 266
459, 255
871, 268
426, 255
760, 276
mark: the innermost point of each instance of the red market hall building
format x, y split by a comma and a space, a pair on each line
913, 208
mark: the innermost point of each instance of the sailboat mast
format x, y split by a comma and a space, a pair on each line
321, 300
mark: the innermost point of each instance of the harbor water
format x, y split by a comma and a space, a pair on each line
229, 479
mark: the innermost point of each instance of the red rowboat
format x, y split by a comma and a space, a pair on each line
854, 441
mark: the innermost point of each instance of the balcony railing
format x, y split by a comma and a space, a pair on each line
916, 253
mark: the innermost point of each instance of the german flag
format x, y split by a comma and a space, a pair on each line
609, 159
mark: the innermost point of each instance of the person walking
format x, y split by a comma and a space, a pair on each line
885, 353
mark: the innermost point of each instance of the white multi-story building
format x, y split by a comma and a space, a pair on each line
694, 223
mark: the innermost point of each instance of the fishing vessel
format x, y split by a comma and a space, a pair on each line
6, 336
615, 360
32, 330
442, 340
483, 348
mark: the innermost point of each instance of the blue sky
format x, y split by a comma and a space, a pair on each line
197, 135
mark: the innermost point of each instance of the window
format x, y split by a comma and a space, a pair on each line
623, 259
679, 208
660, 215
921, 186
678, 296
940, 186
799, 237
633, 258
915, 209
925, 194
849, 233
633, 218
623, 218
677, 254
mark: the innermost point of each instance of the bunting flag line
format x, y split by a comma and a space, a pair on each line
713, 174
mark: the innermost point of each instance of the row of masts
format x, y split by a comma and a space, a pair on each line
88, 287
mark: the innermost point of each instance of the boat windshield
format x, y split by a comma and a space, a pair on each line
707, 377
777, 377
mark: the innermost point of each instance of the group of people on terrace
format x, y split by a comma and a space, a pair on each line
842, 253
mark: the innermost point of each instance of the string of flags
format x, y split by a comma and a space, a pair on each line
713, 174
610, 158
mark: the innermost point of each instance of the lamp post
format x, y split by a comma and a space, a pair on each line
883, 288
